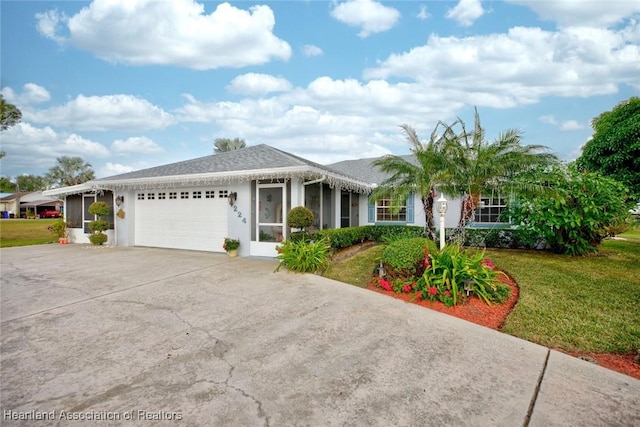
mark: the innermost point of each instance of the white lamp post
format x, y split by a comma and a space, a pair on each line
441, 207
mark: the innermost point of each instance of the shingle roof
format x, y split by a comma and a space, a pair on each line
363, 169
250, 158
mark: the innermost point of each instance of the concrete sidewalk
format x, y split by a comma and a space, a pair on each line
133, 335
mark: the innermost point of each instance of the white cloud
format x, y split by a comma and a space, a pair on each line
136, 144
258, 84
174, 32
29, 147
583, 13
423, 13
101, 113
111, 169
520, 66
50, 23
371, 16
564, 126
31, 94
571, 125
311, 50
466, 12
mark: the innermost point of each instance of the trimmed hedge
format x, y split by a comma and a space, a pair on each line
339, 238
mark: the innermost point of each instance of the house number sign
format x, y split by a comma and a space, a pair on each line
235, 209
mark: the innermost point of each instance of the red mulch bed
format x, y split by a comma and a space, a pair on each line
493, 316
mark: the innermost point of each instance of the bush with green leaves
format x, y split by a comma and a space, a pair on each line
339, 238
405, 257
453, 271
303, 256
573, 220
101, 210
299, 217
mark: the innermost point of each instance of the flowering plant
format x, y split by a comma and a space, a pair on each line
230, 244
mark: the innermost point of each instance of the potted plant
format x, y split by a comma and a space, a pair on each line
231, 246
59, 228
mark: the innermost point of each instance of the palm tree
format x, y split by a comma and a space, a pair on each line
479, 167
70, 171
419, 177
228, 144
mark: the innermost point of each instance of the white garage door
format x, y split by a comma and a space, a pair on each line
194, 218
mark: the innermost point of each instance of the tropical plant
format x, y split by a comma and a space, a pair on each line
452, 271
99, 226
302, 256
614, 149
70, 171
227, 144
420, 176
574, 221
476, 166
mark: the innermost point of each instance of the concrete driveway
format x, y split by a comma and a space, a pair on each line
140, 335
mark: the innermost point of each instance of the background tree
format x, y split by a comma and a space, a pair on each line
476, 166
614, 149
6, 186
69, 171
10, 115
420, 177
31, 183
227, 144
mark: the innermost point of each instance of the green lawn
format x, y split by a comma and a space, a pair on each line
584, 304
23, 232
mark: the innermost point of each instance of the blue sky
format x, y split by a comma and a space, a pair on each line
130, 84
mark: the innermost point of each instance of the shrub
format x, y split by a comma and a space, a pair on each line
406, 257
302, 256
299, 217
452, 271
98, 238
59, 228
574, 221
100, 209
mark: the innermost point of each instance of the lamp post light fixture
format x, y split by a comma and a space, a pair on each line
441, 207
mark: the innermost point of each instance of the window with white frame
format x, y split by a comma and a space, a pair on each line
387, 211
490, 209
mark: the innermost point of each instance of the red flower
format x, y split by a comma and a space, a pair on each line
432, 291
385, 285
406, 288
447, 293
487, 263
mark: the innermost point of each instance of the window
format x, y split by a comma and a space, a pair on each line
151, 196
490, 209
140, 196
162, 196
210, 194
387, 211
197, 194
173, 195
223, 194
184, 194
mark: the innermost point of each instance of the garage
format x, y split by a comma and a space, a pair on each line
184, 218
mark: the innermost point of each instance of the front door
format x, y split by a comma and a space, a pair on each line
271, 202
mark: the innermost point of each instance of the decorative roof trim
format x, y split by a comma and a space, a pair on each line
335, 180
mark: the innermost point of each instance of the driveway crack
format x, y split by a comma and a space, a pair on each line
536, 392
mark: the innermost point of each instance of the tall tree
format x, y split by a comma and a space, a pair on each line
31, 183
614, 149
477, 166
69, 171
6, 186
228, 144
10, 115
418, 177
